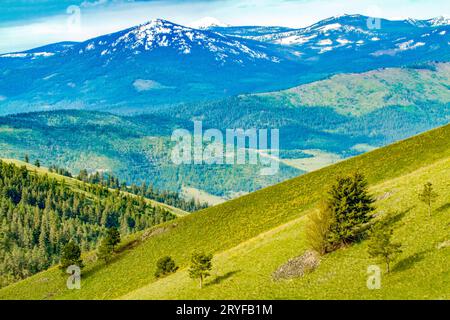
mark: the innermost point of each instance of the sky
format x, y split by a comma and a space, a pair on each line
26, 24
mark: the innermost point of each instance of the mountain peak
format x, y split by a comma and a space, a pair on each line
208, 22
159, 34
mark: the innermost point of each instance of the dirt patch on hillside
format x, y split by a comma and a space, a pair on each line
298, 267
155, 232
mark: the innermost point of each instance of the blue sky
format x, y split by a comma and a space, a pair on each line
25, 24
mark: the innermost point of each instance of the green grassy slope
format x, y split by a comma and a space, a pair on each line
251, 236
422, 270
359, 94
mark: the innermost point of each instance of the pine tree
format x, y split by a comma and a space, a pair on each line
105, 250
27, 158
381, 245
351, 205
428, 196
113, 237
200, 267
37, 163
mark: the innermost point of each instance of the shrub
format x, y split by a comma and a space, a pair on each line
165, 266
318, 229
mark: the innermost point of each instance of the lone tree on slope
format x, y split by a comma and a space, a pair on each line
200, 267
381, 245
428, 196
104, 250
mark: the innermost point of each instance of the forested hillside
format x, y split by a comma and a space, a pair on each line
40, 213
252, 236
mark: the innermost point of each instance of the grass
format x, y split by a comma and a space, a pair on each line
251, 236
421, 272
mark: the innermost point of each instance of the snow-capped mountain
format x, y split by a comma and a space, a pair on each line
161, 63
157, 36
155, 63
360, 37
161, 34
208, 23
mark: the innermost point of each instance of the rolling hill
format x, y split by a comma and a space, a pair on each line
253, 235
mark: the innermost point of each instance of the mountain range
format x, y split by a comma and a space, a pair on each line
162, 63
338, 88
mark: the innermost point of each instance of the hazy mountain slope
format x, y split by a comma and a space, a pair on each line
337, 114
320, 123
134, 148
396, 170
361, 94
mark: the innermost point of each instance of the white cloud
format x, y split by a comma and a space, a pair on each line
147, 85
89, 4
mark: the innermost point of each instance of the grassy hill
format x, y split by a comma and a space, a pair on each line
255, 234
360, 94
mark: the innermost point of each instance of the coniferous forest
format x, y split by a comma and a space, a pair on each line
39, 214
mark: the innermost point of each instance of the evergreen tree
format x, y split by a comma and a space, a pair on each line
428, 196
201, 265
381, 245
105, 250
27, 158
165, 266
113, 237
71, 255
351, 205
37, 163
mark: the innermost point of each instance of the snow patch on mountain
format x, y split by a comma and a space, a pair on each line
343, 41
295, 39
27, 55
333, 26
439, 21
404, 46
325, 42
